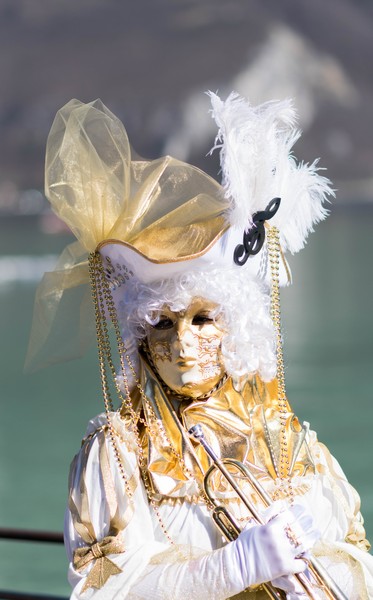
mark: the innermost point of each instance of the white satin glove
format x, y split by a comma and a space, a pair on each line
293, 589
267, 552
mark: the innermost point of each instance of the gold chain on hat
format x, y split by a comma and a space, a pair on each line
103, 301
275, 253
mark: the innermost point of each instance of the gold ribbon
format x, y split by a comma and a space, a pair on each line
103, 567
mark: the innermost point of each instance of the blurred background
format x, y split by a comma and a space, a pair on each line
151, 61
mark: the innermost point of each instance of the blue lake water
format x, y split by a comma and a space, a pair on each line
328, 333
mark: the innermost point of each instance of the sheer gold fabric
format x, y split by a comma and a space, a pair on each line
165, 209
101, 193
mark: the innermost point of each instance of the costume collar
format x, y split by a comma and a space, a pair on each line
240, 420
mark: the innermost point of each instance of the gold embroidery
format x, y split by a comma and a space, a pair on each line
326, 550
162, 351
208, 350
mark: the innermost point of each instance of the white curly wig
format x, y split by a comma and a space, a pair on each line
248, 345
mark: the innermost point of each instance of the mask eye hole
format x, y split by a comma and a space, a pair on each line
202, 319
163, 323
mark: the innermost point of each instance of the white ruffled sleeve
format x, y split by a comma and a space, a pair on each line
111, 540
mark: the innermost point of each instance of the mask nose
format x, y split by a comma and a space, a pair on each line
184, 337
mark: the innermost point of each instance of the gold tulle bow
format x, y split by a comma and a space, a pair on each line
103, 567
165, 208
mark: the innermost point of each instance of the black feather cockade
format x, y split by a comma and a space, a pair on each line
253, 239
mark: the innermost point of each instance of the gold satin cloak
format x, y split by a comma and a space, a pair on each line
240, 421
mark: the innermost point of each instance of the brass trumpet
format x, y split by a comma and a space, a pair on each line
231, 530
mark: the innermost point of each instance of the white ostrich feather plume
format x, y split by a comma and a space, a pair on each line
257, 165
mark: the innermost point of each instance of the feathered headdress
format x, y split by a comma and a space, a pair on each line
153, 219
257, 164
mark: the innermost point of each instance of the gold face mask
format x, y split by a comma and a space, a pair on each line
185, 347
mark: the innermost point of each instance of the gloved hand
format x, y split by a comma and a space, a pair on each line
266, 552
293, 589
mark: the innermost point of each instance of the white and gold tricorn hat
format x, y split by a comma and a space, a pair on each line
152, 220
